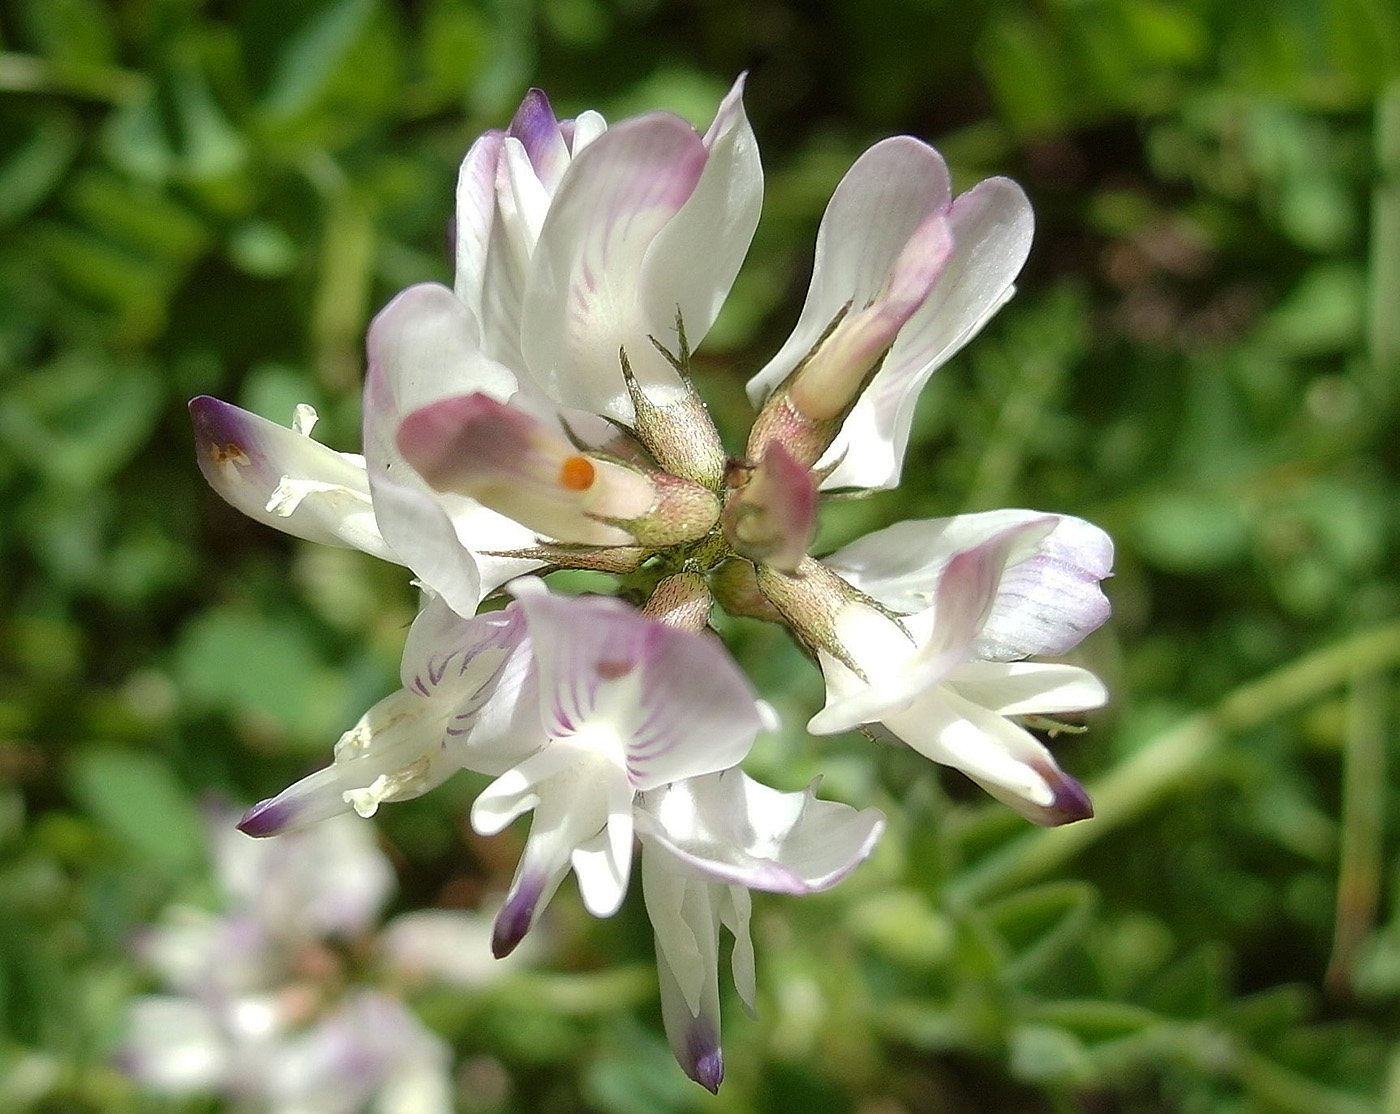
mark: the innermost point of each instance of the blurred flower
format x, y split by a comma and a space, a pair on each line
257, 1002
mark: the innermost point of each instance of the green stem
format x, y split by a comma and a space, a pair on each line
1363, 825
1384, 324
1179, 754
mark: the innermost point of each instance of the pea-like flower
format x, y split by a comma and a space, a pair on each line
539, 415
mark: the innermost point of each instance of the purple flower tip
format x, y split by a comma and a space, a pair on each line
1071, 802
513, 921
267, 818
535, 126
706, 1060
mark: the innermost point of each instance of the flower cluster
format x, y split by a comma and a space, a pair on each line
540, 415
256, 1004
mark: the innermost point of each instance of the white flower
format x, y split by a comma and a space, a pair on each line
415, 738
566, 256
920, 674
707, 841
895, 198
625, 704
251, 1007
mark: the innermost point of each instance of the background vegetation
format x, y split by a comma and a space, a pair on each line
1204, 357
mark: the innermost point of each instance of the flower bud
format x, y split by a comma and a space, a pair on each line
773, 517
508, 461
678, 433
682, 600
806, 410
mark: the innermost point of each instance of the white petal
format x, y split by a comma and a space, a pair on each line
885, 196
1025, 688
283, 478
1004, 759
992, 230
1048, 598
476, 217
423, 346
730, 828
175, 1046
582, 300
944, 634
674, 700
692, 262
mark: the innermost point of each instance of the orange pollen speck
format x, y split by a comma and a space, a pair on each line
576, 474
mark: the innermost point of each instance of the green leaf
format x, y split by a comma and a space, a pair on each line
79, 421
1039, 924
141, 803
267, 672
310, 57
33, 167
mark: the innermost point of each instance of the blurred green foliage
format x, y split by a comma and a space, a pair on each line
1204, 358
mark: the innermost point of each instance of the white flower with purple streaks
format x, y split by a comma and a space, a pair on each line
415, 738
565, 256
626, 704
708, 841
933, 268
921, 674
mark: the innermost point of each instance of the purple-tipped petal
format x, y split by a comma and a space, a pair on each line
704, 1059
1071, 802
269, 817
515, 917
283, 478
538, 130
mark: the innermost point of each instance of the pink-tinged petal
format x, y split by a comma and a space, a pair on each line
732, 829
285, 479
475, 219
887, 194
422, 347
944, 635
693, 261
992, 229
427, 344
1049, 596
537, 129
837, 371
773, 518
503, 458
674, 699
1007, 761
1024, 688
582, 301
